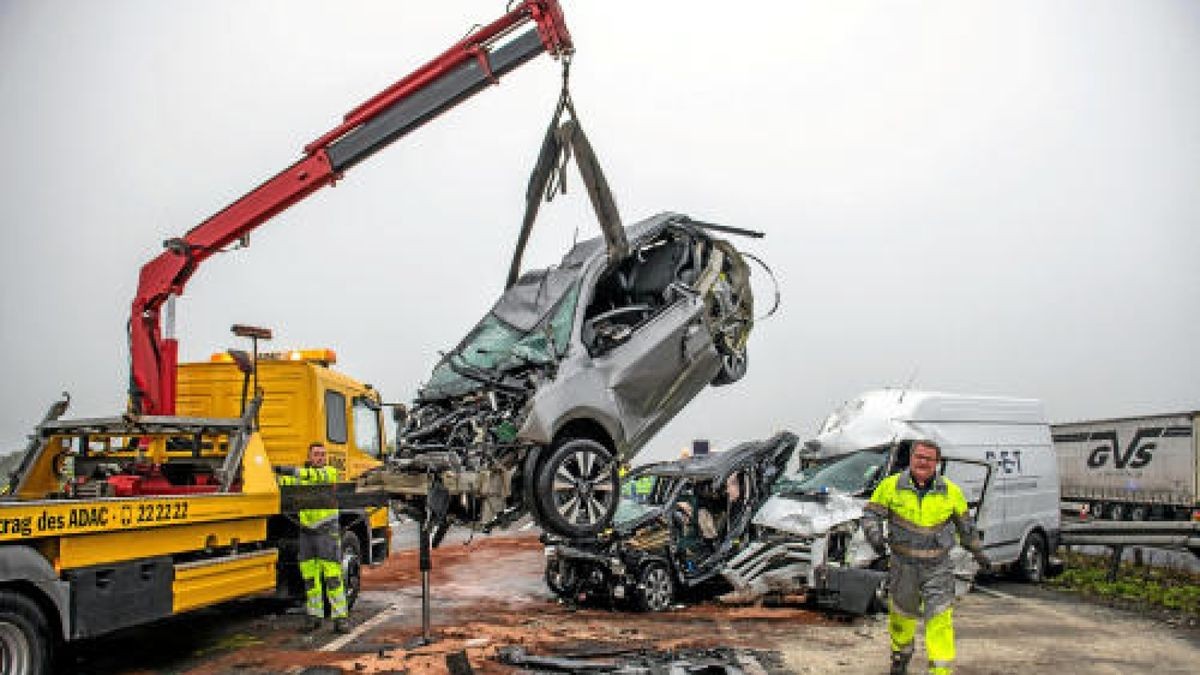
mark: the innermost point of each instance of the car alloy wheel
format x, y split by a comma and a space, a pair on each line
656, 589
578, 488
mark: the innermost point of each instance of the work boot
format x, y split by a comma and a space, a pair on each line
311, 623
900, 663
341, 626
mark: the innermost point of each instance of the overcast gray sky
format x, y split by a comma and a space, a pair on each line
999, 197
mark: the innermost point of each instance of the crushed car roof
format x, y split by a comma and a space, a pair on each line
719, 464
536, 292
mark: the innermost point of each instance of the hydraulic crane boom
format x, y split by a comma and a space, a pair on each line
463, 70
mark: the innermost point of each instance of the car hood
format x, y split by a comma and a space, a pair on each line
809, 515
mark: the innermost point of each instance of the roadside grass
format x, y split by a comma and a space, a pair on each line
1165, 587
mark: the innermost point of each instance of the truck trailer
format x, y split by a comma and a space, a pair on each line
1132, 468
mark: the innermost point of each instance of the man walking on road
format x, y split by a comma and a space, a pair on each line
319, 545
923, 511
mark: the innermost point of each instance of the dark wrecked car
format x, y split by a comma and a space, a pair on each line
677, 526
571, 372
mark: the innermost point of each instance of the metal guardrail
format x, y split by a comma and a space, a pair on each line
1182, 534
1117, 535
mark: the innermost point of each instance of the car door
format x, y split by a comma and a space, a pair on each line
660, 367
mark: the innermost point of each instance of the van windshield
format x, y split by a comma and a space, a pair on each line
853, 474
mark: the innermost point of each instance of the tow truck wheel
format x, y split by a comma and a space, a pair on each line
655, 589
1032, 564
351, 566
24, 636
577, 488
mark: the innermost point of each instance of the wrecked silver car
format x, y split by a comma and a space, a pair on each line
677, 526
570, 373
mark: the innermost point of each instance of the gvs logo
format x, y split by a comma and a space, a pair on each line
1139, 451
1136, 455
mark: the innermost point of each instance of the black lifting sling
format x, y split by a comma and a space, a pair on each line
549, 177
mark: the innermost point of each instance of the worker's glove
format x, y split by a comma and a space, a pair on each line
879, 548
981, 559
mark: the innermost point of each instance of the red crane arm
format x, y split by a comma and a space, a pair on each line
461, 71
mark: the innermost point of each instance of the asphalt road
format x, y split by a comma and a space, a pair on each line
489, 594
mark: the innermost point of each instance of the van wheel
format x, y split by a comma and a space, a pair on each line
1031, 566
577, 488
24, 636
655, 588
351, 567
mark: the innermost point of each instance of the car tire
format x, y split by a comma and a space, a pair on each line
577, 488
655, 588
562, 578
734, 364
25, 640
1031, 566
351, 560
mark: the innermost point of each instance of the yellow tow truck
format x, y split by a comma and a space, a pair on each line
110, 523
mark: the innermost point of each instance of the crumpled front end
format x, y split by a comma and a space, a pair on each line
799, 535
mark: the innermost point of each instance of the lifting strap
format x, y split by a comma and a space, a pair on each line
549, 178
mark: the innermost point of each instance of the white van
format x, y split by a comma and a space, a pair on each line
997, 449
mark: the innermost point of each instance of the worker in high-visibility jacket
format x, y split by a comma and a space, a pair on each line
319, 546
923, 511
642, 487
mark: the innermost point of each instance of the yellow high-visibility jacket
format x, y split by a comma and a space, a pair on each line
308, 475
920, 527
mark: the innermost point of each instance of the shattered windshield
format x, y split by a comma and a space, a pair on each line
852, 474
494, 347
640, 495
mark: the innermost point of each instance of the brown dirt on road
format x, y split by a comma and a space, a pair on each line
489, 594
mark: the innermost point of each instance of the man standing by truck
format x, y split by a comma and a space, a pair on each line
923, 510
319, 544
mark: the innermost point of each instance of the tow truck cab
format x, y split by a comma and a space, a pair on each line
305, 400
